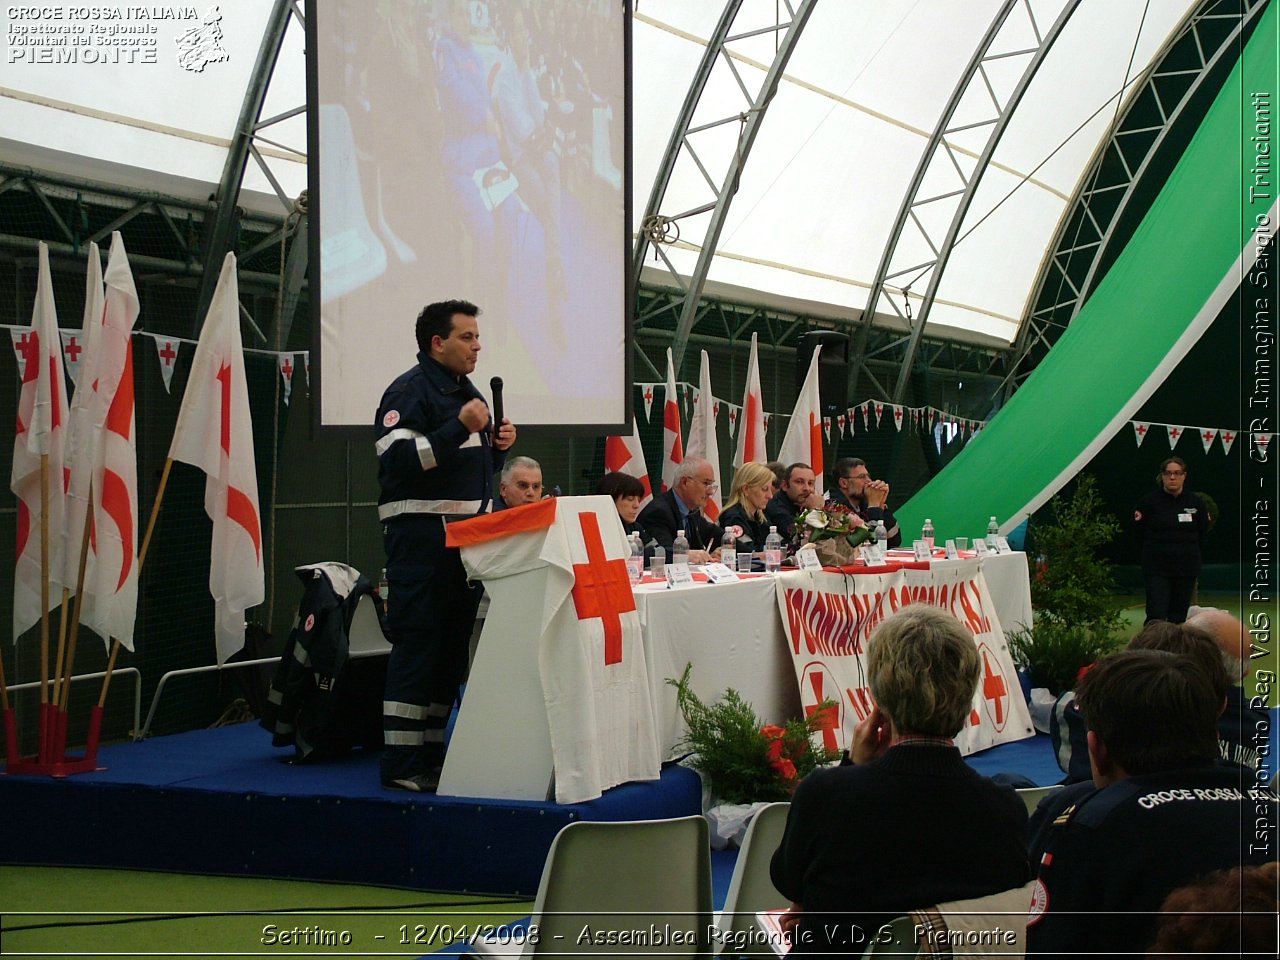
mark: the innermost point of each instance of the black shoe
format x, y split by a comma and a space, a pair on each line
418, 783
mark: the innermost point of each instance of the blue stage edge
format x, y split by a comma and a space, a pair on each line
224, 801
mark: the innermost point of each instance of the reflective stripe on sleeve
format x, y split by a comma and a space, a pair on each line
449, 507
409, 711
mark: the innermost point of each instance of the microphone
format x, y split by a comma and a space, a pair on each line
495, 386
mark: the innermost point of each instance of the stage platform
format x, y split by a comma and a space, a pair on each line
224, 801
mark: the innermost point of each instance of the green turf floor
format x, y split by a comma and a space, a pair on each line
65, 912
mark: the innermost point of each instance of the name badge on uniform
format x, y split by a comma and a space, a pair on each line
1185, 517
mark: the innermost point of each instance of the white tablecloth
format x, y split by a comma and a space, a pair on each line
732, 634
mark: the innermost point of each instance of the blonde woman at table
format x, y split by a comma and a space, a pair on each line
752, 489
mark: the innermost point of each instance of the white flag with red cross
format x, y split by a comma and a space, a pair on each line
215, 433
591, 657
167, 350
802, 442
750, 447
1175, 434
1140, 430
84, 424
287, 368
39, 436
647, 393
672, 448
703, 441
897, 416
73, 346
1261, 441
1228, 438
112, 592
624, 454
1207, 435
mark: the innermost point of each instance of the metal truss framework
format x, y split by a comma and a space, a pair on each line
894, 277
656, 227
1089, 224
725, 323
220, 227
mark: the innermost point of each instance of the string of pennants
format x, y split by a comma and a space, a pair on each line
918, 417
1226, 436
167, 351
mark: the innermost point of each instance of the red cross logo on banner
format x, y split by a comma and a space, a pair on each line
994, 689
74, 350
286, 367
648, 395
816, 682
601, 588
1228, 437
167, 353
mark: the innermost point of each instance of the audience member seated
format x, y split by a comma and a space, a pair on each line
798, 491
627, 493
680, 508
752, 488
1241, 721
1237, 725
1162, 810
1227, 913
909, 824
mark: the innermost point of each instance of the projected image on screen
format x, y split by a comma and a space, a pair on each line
473, 149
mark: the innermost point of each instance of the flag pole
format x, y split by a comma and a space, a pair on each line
62, 645
142, 558
45, 725
75, 623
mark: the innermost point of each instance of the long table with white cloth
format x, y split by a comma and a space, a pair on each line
733, 636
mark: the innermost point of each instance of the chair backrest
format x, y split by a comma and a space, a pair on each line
990, 926
1032, 796
750, 888
366, 631
638, 887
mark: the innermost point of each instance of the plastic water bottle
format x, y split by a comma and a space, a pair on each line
384, 590
635, 562
773, 551
927, 533
882, 535
993, 531
680, 549
729, 550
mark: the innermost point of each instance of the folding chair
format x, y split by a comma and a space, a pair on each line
750, 888
639, 887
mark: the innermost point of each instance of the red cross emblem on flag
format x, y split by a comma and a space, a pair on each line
286, 367
648, 395
1174, 434
1228, 437
601, 588
1140, 430
74, 350
28, 350
167, 353
733, 415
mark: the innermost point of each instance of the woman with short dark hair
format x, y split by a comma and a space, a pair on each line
1172, 523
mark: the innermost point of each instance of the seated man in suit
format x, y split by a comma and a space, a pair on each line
868, 498
519, 483
798, 491
680, 508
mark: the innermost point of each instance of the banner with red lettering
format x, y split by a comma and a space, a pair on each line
828, 616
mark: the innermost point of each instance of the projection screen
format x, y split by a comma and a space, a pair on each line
472, 149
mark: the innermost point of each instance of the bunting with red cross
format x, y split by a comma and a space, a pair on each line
828, 617
592, 662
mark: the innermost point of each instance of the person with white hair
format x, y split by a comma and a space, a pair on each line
680, 508
1244, 725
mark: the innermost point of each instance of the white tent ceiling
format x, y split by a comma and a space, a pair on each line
819, 191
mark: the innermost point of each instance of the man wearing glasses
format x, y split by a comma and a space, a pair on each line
680, 508
868, 498
1172, 524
